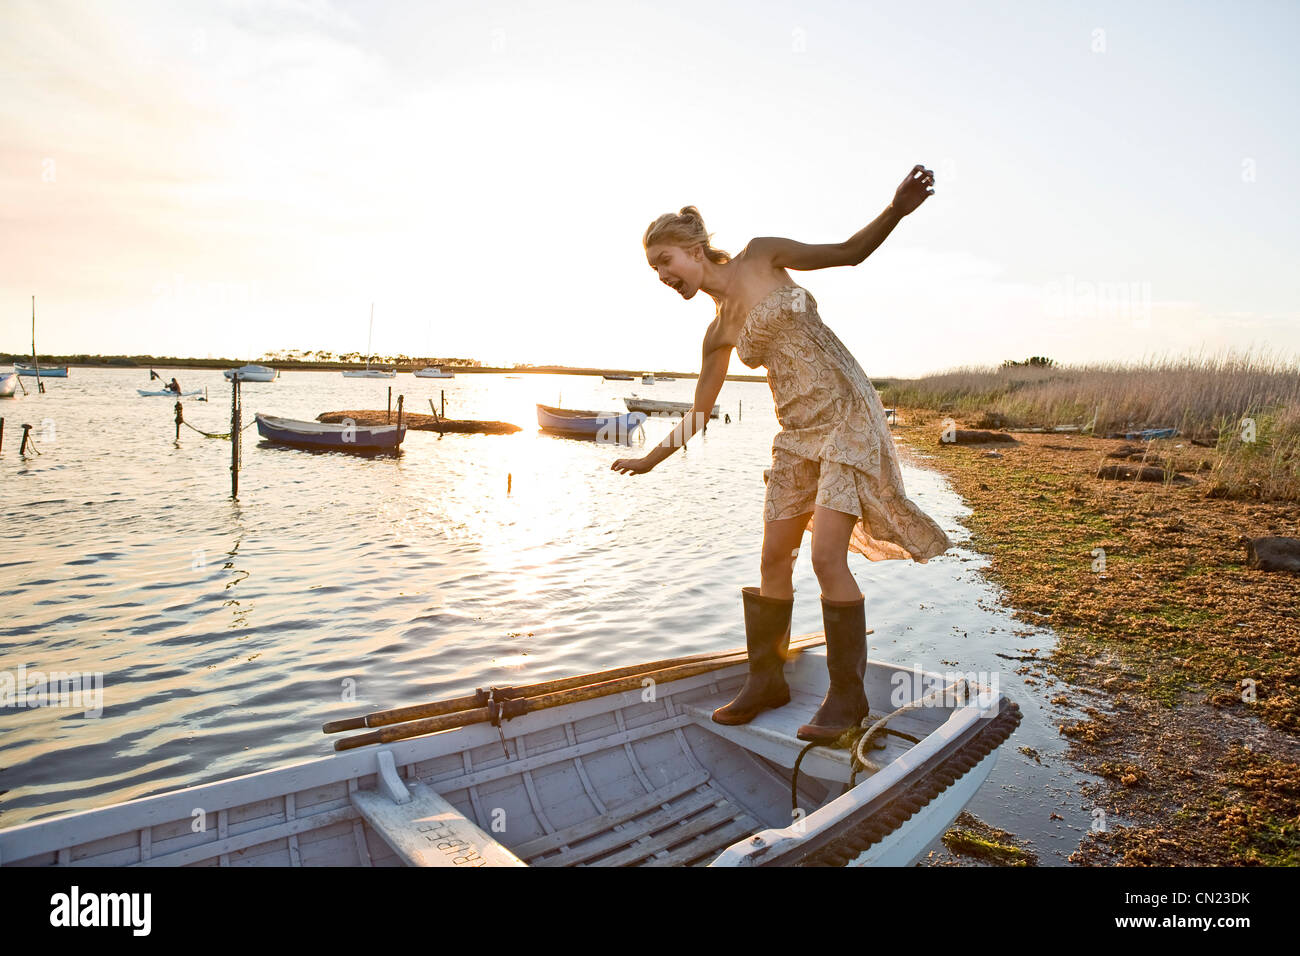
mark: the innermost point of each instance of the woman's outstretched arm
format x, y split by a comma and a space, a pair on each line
789, 254
714, 363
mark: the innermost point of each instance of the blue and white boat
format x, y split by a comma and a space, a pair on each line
585, 423
45, 371
335, 437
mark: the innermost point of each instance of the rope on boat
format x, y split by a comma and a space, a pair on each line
857, 738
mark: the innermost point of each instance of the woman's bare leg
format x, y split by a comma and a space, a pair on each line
830, 554
781, 541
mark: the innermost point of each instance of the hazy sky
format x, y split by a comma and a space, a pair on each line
1114, 180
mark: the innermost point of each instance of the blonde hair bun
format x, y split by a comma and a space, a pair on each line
684, 229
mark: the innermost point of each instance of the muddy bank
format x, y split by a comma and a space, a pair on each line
1184, 661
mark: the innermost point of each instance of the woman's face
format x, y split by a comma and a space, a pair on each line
677, 267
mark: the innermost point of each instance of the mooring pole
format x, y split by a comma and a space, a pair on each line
388, 416
22, 448
398, 439
2, 434
443, 413
179, 419
234, 435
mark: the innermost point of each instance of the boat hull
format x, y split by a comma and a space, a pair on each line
54, 371
331, 437
653, 406
252, 373
587, 423
371, 373
432, 373
622, 779
8, 384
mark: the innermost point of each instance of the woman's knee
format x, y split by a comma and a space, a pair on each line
777, 564
829, 564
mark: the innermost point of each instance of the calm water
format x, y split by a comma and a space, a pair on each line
227, 631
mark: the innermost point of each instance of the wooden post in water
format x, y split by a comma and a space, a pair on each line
179, 418
738, 407
2, 434
234, 435
397, 439
443, 413
388, 415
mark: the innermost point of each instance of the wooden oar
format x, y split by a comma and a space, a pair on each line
439, 707
520, 706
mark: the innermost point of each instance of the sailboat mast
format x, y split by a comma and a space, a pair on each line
40, 386
371, 336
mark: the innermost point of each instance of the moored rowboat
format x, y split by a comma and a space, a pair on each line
45, 371
338, 437
654, 406
629, 778
607, 426
8, 384
252, 373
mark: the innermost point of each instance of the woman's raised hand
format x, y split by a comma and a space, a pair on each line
914, 190
631, 466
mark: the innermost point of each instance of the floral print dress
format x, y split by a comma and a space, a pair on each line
834, 448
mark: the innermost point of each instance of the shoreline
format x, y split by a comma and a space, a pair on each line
147, 362
1158, 621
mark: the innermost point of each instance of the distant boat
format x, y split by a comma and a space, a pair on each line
252, 373
369, 372
589, 424
653, 406
666, 378
46, 371
617, 378
648, 378
168, 392
337, 437
433, 371
8, 384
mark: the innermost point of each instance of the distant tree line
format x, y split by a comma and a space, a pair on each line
1040, 361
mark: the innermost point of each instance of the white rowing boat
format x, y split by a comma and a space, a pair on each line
8, 384
252, 373
629, 778
654, 406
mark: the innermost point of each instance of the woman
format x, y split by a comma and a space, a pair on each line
834, 468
